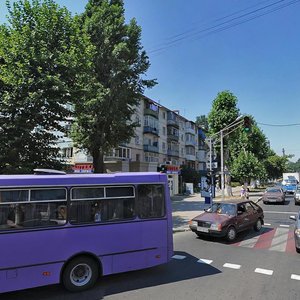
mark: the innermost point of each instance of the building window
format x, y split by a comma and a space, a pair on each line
67, 152
164, 115
164, 130
138, 120
151, 122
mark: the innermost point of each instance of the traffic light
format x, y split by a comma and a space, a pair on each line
247, 124
162, 169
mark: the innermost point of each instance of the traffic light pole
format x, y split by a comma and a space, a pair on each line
222, 166
234, 125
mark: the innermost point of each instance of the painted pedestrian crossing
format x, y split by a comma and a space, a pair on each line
278, 239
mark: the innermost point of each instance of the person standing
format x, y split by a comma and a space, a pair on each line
243, 192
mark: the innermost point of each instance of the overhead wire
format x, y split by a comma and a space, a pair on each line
279, 125
218, 27
216, 20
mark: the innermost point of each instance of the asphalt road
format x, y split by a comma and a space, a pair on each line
258, 266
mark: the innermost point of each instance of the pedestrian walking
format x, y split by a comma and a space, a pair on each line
243, 192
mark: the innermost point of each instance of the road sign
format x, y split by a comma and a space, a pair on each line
214, 165
213, 156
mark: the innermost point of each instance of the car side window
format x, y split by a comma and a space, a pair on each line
249, 207
241, 208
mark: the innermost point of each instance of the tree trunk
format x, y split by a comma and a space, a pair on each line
98, 162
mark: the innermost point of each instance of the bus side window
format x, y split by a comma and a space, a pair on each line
151, 201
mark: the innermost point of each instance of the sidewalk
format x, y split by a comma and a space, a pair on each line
184, 208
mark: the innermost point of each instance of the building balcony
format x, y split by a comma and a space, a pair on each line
190, 143
151, 112
172, 122
151, 148
190, 130
190, 157
148, 129
173, 137
173, 153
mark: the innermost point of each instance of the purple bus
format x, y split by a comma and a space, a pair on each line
72, 229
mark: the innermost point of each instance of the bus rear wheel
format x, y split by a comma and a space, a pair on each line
80, 274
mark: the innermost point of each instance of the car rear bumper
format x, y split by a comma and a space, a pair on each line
269, 200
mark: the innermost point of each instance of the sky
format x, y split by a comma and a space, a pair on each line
198, 48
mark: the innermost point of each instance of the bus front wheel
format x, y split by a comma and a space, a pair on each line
80, 274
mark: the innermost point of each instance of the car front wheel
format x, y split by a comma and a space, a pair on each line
258, 225
231, 234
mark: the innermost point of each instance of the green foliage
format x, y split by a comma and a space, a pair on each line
275, 165
190, 176
254, 142
202, 122
246, 166
44, 58
224, 111
293, 166
103, 119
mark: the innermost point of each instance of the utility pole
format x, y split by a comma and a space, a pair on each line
232, 126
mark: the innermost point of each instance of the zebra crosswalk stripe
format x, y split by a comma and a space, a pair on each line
280, 240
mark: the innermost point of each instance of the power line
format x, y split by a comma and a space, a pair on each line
217, 27
279, 125
216, 20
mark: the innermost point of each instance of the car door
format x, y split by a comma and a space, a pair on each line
252, 214
242, 217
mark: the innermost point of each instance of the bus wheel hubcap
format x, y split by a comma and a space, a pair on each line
81, 274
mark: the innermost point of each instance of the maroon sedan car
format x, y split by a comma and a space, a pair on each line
274, 195
226, 219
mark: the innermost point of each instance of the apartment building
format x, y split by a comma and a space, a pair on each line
163, 137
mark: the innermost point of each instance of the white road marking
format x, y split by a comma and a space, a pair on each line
296, 277
178, 256
249, 243
267, 224
280, 212
286, 226
204, 261
263, 271
279, 240
232, 266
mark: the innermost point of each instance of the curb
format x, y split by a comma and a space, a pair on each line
181, 229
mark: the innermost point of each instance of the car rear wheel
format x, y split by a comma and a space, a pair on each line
231, 234
258, 225
80, 274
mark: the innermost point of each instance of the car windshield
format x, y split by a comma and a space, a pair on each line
222, 208
272, 190
290, 182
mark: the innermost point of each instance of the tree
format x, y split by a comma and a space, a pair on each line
190, 175
202, 122
254, 142
275, 165
103, 120
293, 166
43, 61
224, 111
246, 167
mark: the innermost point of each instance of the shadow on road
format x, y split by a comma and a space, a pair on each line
174, 271
242, 236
